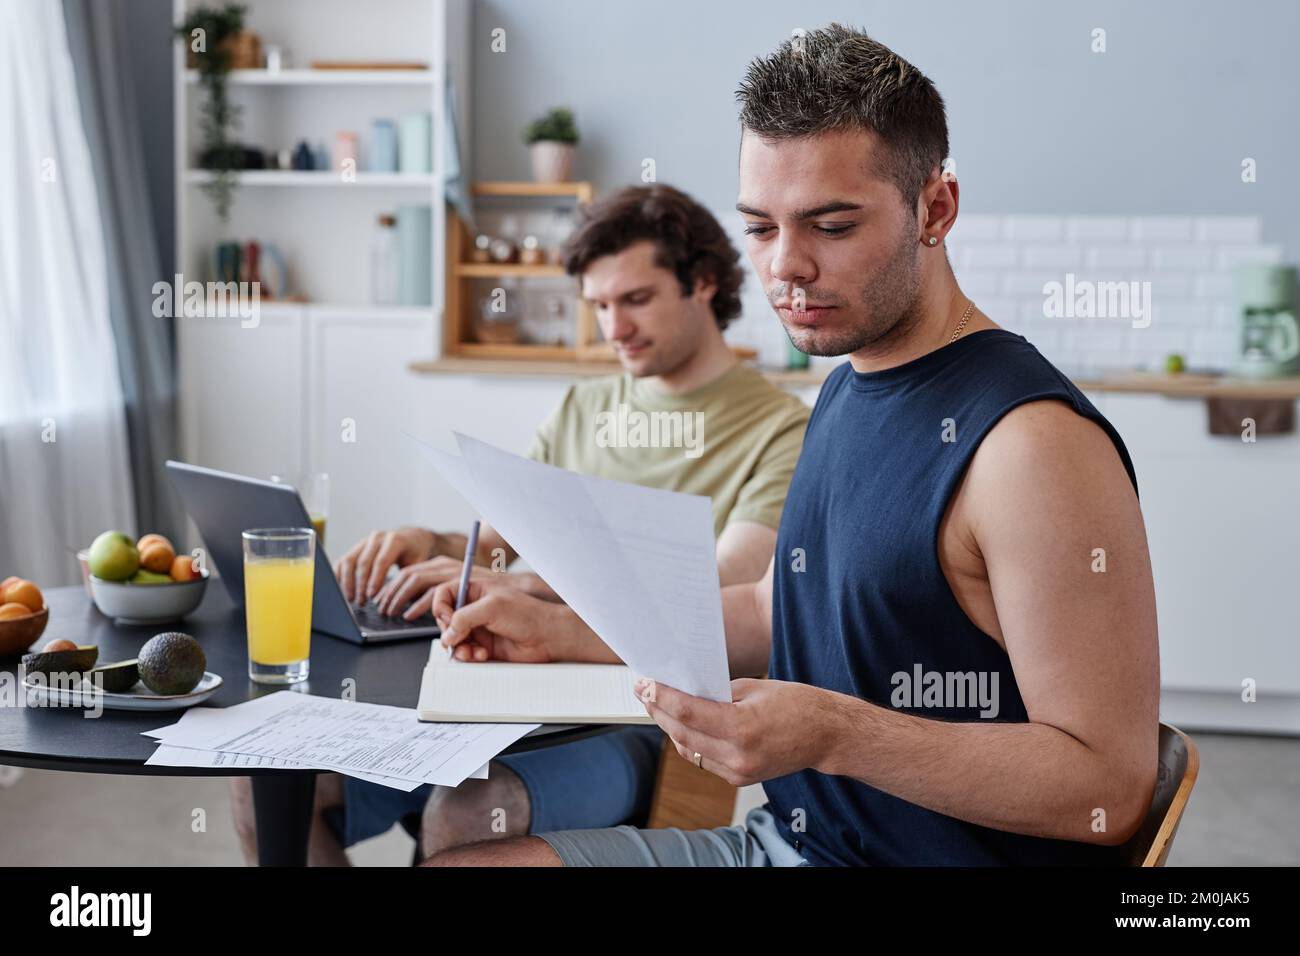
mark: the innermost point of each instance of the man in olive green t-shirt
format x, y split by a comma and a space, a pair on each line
735, 439
684, 416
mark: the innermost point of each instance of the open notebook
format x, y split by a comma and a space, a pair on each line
498, 692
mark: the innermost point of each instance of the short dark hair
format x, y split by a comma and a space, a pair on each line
689, 242
839, 78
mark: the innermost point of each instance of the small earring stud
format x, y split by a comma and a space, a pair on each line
934, 241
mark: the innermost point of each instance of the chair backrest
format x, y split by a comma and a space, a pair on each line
1179, 765
687, 797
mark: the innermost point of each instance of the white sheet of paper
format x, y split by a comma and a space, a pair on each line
168, 755
637, 564
346, 736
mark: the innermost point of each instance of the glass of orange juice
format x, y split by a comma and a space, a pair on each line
315, 492
279, 565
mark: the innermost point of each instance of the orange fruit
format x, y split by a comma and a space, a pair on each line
157, 555
25, 593
183, 568
8, 581
152, 539
13, 611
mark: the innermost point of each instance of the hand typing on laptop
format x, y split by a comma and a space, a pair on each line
423, 559
362, 570
412, 587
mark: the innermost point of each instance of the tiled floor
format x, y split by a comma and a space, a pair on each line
1245, 810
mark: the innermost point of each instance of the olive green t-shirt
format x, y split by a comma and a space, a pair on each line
735, 440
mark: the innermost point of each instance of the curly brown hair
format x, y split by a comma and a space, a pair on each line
689, 242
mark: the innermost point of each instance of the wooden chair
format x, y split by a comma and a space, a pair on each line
1179, 764
688, 797
694, 799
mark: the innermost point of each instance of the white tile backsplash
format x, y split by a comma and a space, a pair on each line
1033, 228
1160, 228
1116, 256
1188, 260
1228, 229
1096, 228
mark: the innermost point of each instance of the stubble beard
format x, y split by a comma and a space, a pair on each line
887, 308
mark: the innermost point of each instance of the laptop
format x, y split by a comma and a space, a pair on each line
223, 505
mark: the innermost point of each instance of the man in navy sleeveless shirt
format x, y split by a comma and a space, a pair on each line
958, 625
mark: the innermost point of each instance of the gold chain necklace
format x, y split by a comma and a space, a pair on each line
970, 307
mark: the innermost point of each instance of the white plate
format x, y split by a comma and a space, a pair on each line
140, 699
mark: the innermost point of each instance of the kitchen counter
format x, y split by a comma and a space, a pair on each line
1191, 385
1183, 385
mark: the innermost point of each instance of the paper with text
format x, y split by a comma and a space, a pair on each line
170, 756
637, 564
346, 736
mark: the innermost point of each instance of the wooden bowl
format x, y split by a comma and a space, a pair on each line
21, 633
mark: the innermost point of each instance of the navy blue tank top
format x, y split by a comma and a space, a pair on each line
859, 595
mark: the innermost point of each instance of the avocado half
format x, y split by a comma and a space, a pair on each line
116, 678
62, 662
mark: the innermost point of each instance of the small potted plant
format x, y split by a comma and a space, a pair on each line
212, 38
550, 140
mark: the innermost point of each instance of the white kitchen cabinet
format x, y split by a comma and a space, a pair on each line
360, 407
242, 391
1223, 523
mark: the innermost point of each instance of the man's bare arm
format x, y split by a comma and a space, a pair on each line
489, 541
744, 551
747, 616
1050, 499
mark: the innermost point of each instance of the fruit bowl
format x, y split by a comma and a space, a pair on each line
147, 603
20, 633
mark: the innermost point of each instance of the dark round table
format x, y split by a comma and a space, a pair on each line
55, 738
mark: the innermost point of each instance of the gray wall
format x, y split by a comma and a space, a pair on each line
1158, 124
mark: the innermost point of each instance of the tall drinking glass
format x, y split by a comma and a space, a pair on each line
314, 490
316, 499
279, 565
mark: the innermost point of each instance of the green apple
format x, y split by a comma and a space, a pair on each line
1174, 364
113, 557
149, 577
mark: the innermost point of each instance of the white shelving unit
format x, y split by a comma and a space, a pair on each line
282, 177
278, 398
324, 77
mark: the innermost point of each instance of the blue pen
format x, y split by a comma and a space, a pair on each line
471, 546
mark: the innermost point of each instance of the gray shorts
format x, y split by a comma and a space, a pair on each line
757, 843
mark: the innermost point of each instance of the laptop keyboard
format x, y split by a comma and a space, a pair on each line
369, 617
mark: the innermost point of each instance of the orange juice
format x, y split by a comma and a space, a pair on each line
277, 602
318, 524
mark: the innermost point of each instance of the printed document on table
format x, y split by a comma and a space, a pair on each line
347, 736
637, 564
168, 756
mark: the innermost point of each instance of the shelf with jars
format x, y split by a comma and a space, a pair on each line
508, 296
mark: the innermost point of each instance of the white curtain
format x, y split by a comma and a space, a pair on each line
64, 471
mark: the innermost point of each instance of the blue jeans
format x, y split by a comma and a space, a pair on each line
601, 781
